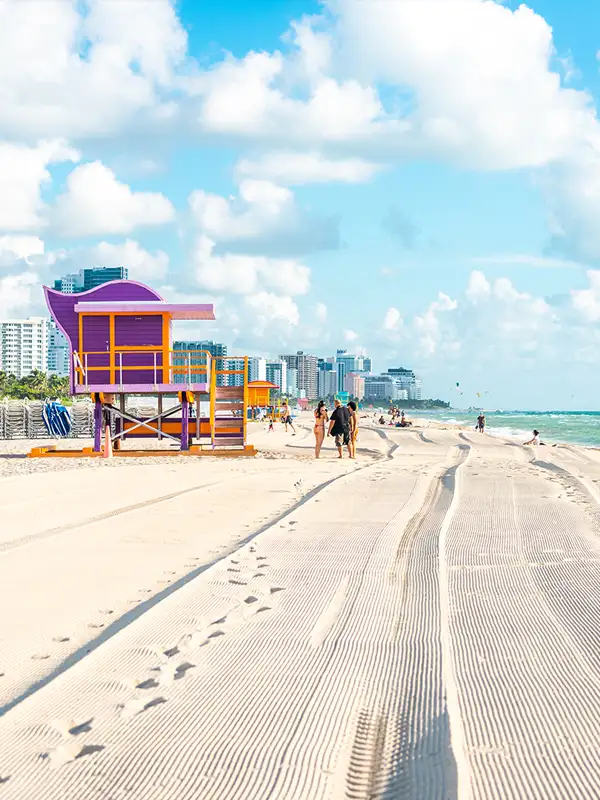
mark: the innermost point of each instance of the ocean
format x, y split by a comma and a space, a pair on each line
573, 427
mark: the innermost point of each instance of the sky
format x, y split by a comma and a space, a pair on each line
418, 180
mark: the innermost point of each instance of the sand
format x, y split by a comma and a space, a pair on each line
420, 623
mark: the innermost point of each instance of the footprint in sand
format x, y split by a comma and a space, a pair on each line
71, 751
60, 639
40, 656
237, 583
149, 683
216, 635
137, 705
250, 599
95, 624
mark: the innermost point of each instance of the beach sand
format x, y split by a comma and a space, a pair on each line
420, 623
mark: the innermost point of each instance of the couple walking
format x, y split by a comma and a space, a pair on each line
343, 425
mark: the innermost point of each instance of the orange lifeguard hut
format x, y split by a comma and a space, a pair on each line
259, 393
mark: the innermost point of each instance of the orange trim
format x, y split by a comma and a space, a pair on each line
166, 345
111, 346
156, 313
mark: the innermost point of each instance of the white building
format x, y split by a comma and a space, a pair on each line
307, 366
327, 380
291, 382
257, 369
406, 380
58, 352
277, 374
23, 346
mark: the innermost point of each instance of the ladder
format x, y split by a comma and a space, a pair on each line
228, 407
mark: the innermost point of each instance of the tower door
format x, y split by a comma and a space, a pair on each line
95, 349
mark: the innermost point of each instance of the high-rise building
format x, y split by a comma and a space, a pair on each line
345, 363
96, 276
58, 351
327, 383
69, 284
257, 369
406, 379
306, 364
380, 387
354, 384
217, 350
89, 278
292, 382
277, 374
23, 346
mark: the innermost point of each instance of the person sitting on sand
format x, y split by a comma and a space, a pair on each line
339, 426
353, 427
536, 438
381, 420
321, 418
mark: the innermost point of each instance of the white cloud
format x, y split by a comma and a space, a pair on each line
97, 204
269, 309
479, 287
143, 266
74, 69
247, 97
23, 171
20, 247
587, 301
263, 219
321, 312
295, 169
429, 325
351, 336
260, 208
17, 294
472, 102
392, 319
243, 274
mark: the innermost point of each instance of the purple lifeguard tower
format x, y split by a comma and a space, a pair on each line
120, 338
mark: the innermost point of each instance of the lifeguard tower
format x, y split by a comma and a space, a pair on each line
120, 338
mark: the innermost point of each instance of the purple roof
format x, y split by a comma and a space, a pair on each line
175, 310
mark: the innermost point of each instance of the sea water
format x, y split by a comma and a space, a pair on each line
573, 427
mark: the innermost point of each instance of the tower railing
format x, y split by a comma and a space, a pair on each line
181, 367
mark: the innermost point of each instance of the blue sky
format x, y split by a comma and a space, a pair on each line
420, 180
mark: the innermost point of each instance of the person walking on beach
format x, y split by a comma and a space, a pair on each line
353, 427
271, 426
287, 418
339, 426
321, 417
481, 423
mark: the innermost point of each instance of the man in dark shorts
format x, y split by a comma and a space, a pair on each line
339, 426
481, 423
